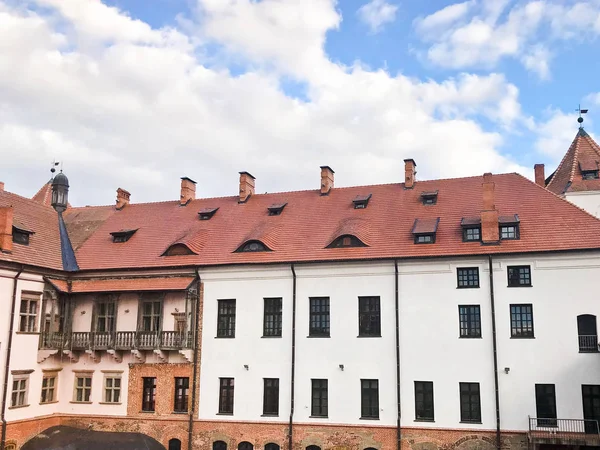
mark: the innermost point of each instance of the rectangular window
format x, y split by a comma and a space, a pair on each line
182, 387
369, 316
319, 316
48, 388
28, 314
105, 317
271, 397
83, 388
425, 239
149, 394
545, 403
272, 317
470, 321
470, 403
112, 388
519, 276
468, 277
472, 234
226, 396
521, 321
424, 400
320, 398
226, 318
369, 399
151, 315
19, 391
509, 232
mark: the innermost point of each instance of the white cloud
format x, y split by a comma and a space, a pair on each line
377, 13
443, 18
139, 108
555, 134
537, 60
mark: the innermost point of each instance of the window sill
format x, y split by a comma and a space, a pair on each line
81, 403
49, 403
520, 286
318, 417
147, 412
522, 337
110, 403
180, 412
270, 337
269, 415
36, 333
470, 337
224, 337
425, 420
589, 351
18, 406
467, 287
225, 414
471, 421
317, 337
369, 418
369, 336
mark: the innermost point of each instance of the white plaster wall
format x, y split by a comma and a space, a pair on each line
6, 288
590, 201
127, 306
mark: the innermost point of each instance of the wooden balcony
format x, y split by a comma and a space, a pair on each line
563, 432
118, 340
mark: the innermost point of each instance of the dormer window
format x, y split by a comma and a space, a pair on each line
429, 198
589, 169
361, 201
509, 227
346, 240
122, 235
253, 246
277, 209
471, 229
424, 230
20, 235
207, 213
178, 250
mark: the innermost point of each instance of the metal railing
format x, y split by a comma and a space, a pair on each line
118, 340
588, 343
564, 431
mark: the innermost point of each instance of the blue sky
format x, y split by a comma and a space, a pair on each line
205, 88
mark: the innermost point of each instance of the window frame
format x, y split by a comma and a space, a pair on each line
367, 315
107, 317
424, 389
473, 404
272, 316
425, 238
226, 396
149, 394
465, 278
346, 241
466, 230
517, 231
472, 325
181, 395
150, 322
271, 397
28, 321
545, 405
110, 392
19, 394
226, 318
319, 322
86, 390
369, 399
519, 277
319, 398
48, 393
516, 325
587, 322
590, 174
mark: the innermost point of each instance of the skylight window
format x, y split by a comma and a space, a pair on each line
207, 213
253, 246
429, 198
361, 201
178, 250
122, 235
277, 209
21, 235
347, 240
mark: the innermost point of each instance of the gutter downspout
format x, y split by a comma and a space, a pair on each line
293, 379
397, 304
8, 352
495, 346
195, 368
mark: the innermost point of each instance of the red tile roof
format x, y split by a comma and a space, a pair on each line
123, 285
44, 195
583, 152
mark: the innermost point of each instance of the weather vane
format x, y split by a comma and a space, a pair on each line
54, 164
580, 118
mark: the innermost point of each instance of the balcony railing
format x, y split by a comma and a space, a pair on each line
564, 431
119, 340
588, 343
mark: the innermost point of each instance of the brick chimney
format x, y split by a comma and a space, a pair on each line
188, 191
6, 224
490, 234
540, 177
410, 173
122, 198
326, 179
246, 186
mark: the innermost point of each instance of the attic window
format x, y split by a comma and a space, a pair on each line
361, 201
346, 240
509, 227
424, 230
21, 235
122, 235
429, 198
589, 170
471, 229
277, 209
178, 250
253, 246
207, 213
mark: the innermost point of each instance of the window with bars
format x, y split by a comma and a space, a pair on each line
468, 277
471, 234
545, 404
148, 394
521, 321
226, 318
470, 403
470, 321
369, 317
509, 232
369, 399
105, 316
226, 395
28, 314
271, 397
519, 276
19, 391
112, 388
424, 400
320, 398
83, 388
319, 317
48, 388
151, 315
182, 387
272, 317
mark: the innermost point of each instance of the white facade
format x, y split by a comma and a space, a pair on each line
587, 200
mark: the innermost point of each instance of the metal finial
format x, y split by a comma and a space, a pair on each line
580, 118
54, 164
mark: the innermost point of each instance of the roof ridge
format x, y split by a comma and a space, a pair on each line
31, 201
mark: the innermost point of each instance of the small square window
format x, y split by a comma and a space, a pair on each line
508, 232
468, 277
425, 239
472, 234
519, 276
